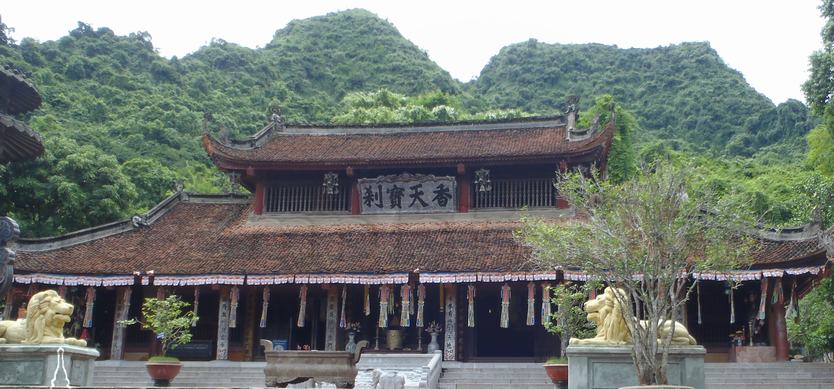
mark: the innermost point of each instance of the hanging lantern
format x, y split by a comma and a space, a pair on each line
482, 180
505, 306
302, 309
264, 308
331, 183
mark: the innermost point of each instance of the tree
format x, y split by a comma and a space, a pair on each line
167, 320
814, 328
569, 320
645, 236
622, 159
819, 90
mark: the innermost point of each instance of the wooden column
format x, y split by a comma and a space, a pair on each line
354, 191
463, 189
561, 201
259, 198
250, 322
779, 332
223, 325
450, 341
332, 325
9, 303
117, 344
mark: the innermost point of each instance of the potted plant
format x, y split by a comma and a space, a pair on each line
567, 320
433, 329
352, 329
172, 328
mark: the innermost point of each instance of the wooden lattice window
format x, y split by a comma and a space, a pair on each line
304, 197
515, 194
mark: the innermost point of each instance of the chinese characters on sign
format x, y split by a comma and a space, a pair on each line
407, 193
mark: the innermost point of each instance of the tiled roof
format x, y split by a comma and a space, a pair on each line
215, 238
446, 145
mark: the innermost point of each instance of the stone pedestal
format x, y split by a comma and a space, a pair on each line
35, 364
605, 367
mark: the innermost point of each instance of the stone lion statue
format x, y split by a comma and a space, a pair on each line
607, 313
46, 315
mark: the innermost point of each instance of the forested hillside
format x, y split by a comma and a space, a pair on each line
681, 92
121, 123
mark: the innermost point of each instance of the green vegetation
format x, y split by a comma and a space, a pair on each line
131, 120
813, 325
165, 317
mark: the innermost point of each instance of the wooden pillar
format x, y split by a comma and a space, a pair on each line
332, 325
463, 190
450, 341
9, 303
250, 322
779, 332
117, 344
223, 325
354, 191
561, 201
259, 198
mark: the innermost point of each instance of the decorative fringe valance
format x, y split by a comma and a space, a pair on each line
505, 305
70, 280
302, 308
211, 279
264, 308
436, 278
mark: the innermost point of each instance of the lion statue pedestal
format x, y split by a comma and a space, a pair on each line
604, 361
32, 349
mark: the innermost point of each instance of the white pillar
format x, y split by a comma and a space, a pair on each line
332, 318
450, 343
223, 325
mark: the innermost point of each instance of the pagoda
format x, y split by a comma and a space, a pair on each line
391, 227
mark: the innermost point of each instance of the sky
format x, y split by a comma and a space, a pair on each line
768, 41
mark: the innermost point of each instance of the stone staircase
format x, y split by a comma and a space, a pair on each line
770, 375
193, 374
475, 375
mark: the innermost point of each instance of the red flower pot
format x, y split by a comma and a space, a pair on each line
163, 372
558, 373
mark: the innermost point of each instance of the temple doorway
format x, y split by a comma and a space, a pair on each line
519, 341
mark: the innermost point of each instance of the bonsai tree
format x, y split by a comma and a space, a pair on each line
645, 236
167, 319
568, 320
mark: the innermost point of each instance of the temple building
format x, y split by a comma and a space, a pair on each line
391, 228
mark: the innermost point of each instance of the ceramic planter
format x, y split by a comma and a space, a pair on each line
163, 372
